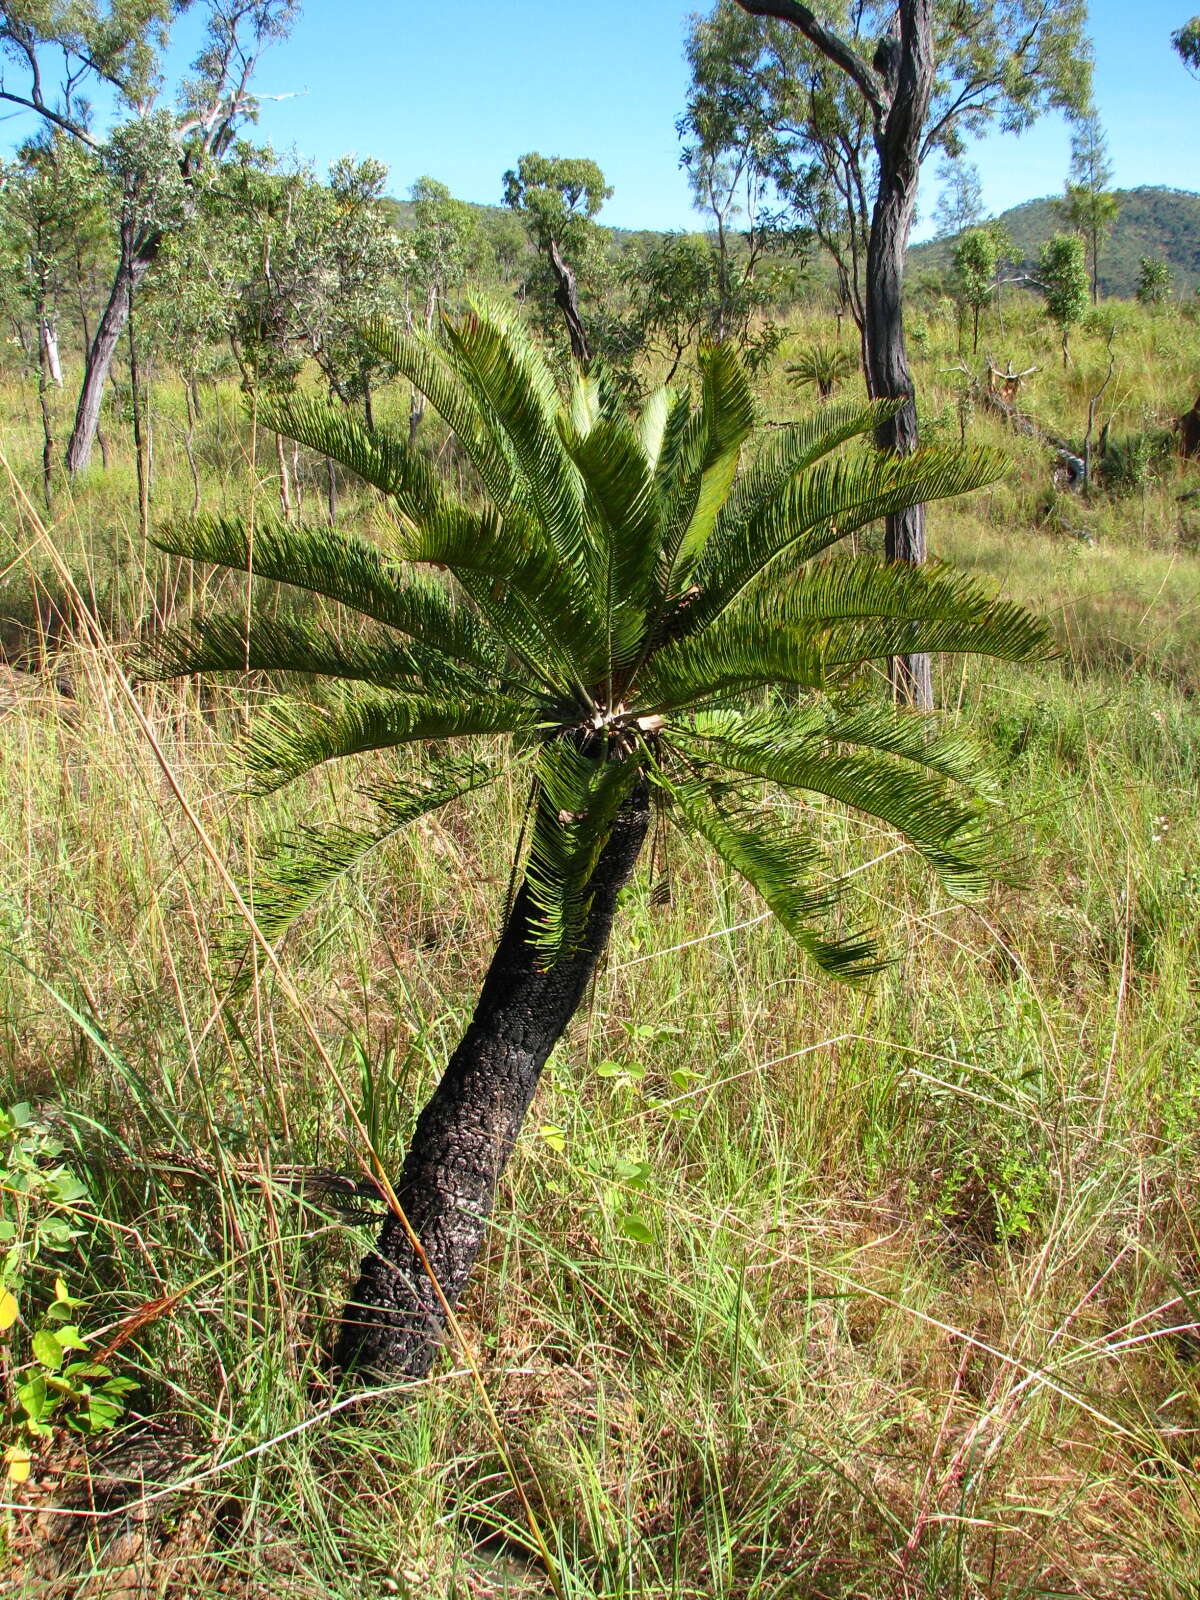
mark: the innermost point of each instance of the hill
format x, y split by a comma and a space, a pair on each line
1152, 221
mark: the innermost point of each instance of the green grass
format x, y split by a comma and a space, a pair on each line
913, 1315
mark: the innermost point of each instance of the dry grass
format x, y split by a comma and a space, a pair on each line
919, 1314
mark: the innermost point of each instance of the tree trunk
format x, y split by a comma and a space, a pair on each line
189, 443
285, 485
898, 145
1095, 265
331, 491
44, 380
139, 443
394, 1322
566, 298
48, 334
135, 262
416, 406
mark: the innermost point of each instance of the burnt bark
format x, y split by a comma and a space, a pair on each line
908, 67
566, 298
896, 86
394, 1322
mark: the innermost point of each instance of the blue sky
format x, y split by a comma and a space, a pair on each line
460, 91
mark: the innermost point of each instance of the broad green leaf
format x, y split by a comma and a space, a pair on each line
635, 1174
635, 1227
47, 1348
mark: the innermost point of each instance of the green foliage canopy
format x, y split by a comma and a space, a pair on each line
1186, 41
622, 603
1064, 278
997, 66
1155, 281
557, 197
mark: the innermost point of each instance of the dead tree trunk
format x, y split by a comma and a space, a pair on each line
566, 298
189, 442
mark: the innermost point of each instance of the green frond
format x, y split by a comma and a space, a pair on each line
427, 369
513, 387
728, 660
592, 395
945, 825
378, 457
678, 457
578, 798
781, 865
623, 511
231, 642
344, 569
543, 609
584, 408
828, 621
702, 461
867, 605
813, 510
797, 447
306, 863
861, 588
291, 736
874, 724
652, 423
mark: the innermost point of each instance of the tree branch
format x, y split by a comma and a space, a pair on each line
828, 43
43, 110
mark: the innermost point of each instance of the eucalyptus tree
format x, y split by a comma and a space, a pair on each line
50, 200
1155, 281
960, 204
861, 96
282, 269
675, 296
977, 257
730, 153
445, 244
606, 625
1090, 206
1063, 275
361, 266
558, 198
1186, 44
53, 58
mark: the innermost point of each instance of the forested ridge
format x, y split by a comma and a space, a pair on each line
1150, 222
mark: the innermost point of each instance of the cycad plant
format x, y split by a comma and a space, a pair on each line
823, 366
646, 627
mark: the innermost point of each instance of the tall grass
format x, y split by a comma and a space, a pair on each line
913, 1307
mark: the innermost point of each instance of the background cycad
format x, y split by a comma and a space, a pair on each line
647, 624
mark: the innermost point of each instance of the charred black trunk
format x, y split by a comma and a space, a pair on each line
907, 65
394, 1322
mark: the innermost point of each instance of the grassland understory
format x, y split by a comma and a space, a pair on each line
917, 1314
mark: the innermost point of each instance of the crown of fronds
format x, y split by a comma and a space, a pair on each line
617, 598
